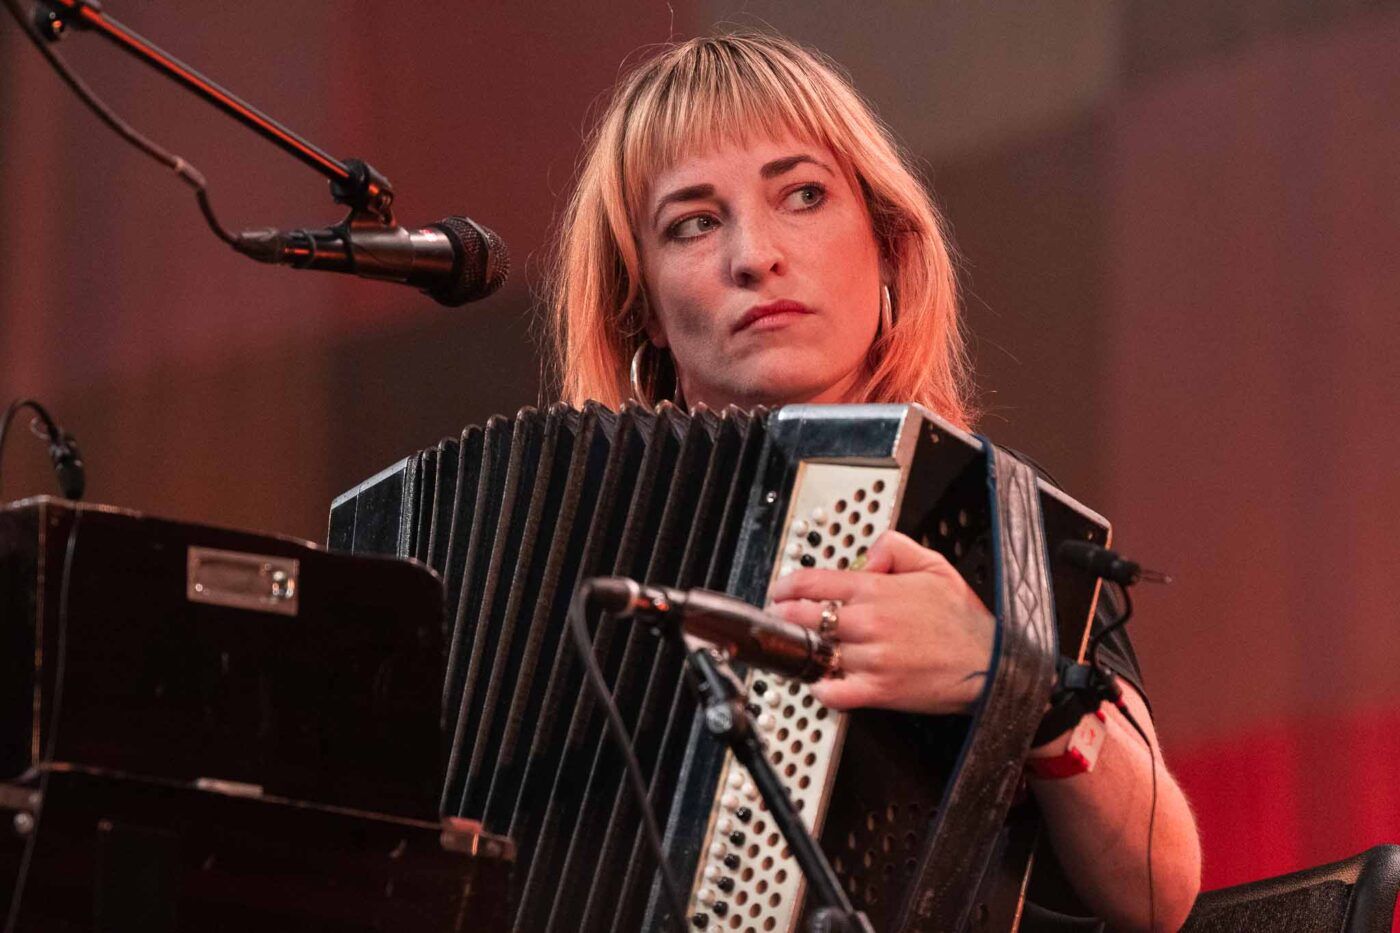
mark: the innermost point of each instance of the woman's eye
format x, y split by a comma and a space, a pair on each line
688, 228
806, 197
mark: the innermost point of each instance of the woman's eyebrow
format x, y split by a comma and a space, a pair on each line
688, 193
788, 163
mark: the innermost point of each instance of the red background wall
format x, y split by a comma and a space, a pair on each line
1176, 224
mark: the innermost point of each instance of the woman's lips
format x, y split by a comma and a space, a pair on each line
772, 314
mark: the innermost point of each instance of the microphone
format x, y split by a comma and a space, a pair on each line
1110, 565
741, 631
67, 464
63, 448
455, 260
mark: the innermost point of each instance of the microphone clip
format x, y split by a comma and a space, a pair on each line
720, 693
1079, 690
367, 193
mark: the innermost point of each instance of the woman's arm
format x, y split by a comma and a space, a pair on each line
915, 637
1097, 823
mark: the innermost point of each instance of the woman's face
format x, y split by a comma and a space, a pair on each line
762, 274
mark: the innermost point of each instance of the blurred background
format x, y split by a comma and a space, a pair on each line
1178, 238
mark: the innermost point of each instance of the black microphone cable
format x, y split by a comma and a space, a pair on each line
187, 172
1118, 623
578, 628
1121, 573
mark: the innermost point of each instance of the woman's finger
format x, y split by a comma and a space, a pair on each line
894, 552
863, 659
843, 693
812, 583
853, 622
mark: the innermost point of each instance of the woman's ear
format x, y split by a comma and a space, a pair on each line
656, 332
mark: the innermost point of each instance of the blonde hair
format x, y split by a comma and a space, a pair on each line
725, 88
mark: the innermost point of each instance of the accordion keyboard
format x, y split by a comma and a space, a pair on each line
748, 880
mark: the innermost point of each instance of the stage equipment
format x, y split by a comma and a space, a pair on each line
63, 447
1355, 895
209, 729
915, 813
739, 631
454, 261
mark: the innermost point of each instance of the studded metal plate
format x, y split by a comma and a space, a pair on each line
747, 880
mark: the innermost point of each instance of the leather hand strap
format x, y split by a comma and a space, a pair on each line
1022, 670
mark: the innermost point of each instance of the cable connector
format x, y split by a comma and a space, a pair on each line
1108, 564
68, 465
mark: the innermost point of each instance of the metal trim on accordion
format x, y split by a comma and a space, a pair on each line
515, 513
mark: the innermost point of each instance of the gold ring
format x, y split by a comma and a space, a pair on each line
829, 617
834, 669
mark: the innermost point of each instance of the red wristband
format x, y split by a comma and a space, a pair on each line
1080, 753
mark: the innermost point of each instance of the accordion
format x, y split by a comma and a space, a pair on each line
513, 515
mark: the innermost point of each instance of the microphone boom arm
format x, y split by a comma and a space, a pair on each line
353, 182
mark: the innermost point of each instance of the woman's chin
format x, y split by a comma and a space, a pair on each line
769, 392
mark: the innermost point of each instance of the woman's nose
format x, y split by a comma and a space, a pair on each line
755, 252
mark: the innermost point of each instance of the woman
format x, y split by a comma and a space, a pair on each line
746, 232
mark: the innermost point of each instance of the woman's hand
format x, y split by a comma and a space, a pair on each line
913, 635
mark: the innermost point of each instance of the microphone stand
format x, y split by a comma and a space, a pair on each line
726, 718
354, 183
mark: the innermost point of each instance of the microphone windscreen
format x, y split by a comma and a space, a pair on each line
482, 262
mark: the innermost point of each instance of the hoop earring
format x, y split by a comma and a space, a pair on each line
660, 379
636, 375
886, 310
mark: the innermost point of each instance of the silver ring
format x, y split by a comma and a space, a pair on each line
830, 617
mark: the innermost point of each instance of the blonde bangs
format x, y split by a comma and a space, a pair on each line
715, 95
